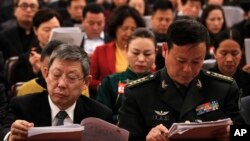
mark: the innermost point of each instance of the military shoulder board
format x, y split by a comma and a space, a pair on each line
219, 76
141, 80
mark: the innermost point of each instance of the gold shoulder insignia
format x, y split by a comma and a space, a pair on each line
141, 80
219, 76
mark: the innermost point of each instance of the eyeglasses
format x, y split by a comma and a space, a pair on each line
68, 78
25, 6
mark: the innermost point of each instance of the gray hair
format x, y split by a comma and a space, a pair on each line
71, 52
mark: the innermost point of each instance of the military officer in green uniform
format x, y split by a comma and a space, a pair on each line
180, 92
141, 53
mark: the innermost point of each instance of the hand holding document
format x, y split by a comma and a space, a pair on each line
90, 129
72, 35
197, 130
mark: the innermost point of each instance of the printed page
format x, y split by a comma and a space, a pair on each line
99, 130
193, 130
72, 35
73, 132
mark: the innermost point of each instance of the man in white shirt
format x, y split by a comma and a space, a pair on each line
67, 75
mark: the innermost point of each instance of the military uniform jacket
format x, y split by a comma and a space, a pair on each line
108, 92
157, 100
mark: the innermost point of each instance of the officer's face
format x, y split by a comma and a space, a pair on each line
228, 56
184, 62
141, 54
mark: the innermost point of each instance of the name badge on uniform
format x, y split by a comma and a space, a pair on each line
121, 87
207, 107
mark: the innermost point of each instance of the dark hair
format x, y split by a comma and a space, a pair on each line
162, 5
70, 52
93, 8
185, 1
142, 33
187, 31
228, 34
45, 15
206, 12
47, 51
119, 15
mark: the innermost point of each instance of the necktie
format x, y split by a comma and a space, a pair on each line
61, 116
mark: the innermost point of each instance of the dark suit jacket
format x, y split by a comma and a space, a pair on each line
17, 40
242, 79
102, 63
35, 108
157, 100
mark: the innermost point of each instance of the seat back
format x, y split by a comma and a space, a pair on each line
10, 66
14, 89
245, 108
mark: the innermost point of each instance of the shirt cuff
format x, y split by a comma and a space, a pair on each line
6, 136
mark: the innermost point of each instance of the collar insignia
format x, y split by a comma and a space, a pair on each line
199, 85
163, 84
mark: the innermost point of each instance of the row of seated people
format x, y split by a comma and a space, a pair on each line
141, 52
123, 21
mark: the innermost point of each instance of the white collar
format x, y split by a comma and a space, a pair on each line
55, 110
100, 37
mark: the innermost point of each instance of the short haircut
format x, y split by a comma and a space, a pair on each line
47, 51
162, 5
187, 31
207, 11
93, 8
119, 15
44, 15
228, 34
143, 33
185, 1
71, 52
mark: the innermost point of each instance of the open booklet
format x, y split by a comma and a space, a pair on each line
90, 129
197, 130
72, 35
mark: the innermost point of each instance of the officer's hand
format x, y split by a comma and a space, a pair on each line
19, 130
222, 134
158, 133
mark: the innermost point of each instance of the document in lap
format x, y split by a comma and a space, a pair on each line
99, 130
247, 50
72, 35
195, 130
91, 129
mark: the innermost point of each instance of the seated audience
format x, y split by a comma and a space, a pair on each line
110, 58
74, 9
228, 53
191, 8
141, 52
140, 5
28, 66
66, 76
162, 17
213, 18
93, 24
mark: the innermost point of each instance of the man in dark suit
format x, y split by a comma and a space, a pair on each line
180, 91
93, 24
67, 76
